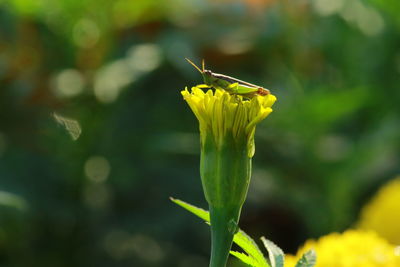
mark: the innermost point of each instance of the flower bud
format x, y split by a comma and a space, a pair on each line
227, 126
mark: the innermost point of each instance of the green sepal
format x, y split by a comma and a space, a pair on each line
225, 169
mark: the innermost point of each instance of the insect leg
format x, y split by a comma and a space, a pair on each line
203, 86
233, 87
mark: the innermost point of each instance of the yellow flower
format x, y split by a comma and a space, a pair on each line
382, 213
221, 114
353, 248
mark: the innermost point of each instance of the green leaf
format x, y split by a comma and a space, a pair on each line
250, 247
203, 214
245, 258
276, 255
308, 259
241, 238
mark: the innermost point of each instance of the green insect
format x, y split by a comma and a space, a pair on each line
229, 84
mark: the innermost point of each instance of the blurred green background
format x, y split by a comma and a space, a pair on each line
95, 136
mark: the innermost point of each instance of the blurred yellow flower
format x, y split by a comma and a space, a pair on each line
353, 248
382, 213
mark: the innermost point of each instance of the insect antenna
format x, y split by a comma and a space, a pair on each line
194, 65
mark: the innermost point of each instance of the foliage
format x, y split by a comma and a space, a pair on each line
253, 256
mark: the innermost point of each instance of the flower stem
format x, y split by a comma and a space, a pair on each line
223, 227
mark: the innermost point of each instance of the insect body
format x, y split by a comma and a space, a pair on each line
230, 84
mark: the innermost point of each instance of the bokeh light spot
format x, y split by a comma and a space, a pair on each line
97, 169
327, 7
68, 83
12, 200
111, 79
144, 57
86, 33
368, 20
146, 248
122, 245
238, 42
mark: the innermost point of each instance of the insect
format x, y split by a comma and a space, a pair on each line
229, 84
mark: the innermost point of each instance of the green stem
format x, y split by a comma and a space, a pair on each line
223, 227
